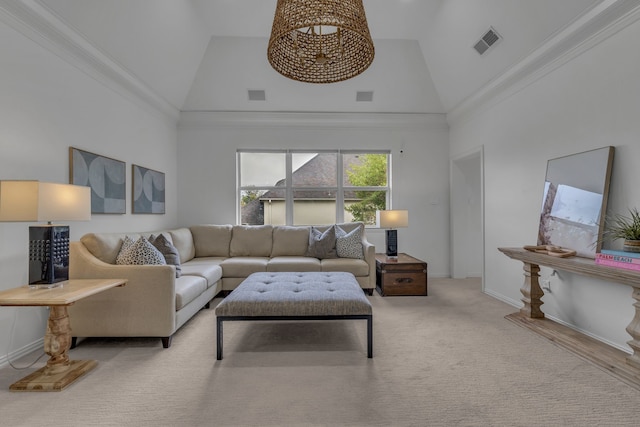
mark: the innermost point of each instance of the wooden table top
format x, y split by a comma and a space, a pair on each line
69, 292
402, 258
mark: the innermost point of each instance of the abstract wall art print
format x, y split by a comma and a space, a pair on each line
148, 191
105, 176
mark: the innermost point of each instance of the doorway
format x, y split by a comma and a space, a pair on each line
467, 215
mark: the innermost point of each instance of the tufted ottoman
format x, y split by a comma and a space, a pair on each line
296, 296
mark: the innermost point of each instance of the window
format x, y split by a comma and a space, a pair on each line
298, 187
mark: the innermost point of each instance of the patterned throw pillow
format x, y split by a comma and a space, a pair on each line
141, 252
170, 253
349, 245
322, 245
124, 248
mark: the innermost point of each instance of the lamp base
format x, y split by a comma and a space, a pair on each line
46, 285
391, 243
48, 256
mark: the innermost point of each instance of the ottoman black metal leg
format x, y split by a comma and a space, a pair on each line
370, 337
219, 338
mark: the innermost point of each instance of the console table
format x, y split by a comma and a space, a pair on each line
59, 371
618, 363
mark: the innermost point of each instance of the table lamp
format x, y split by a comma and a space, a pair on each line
392, 219
31, 201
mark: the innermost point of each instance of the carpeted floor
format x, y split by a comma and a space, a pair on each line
449, 359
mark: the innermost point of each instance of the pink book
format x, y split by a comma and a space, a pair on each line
618, 264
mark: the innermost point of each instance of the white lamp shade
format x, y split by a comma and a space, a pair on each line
32, 201
396, 218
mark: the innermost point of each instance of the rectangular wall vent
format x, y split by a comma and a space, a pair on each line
364, 96
488, 39
257, 95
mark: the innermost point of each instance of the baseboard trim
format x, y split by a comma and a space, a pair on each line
608, 359
17, 354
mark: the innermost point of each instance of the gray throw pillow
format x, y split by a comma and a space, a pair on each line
322, 245
349, 245
170, 252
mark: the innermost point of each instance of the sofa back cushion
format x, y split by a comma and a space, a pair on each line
211, 240
105, 246
251, 240
290, 241
183, 241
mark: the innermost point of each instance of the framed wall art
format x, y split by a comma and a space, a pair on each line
105, 176
574, 201
148, 191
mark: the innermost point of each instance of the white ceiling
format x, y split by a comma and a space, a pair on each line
203, 55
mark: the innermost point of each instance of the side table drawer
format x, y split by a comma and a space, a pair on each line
404, 283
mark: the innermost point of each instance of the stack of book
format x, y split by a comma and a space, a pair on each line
619, 259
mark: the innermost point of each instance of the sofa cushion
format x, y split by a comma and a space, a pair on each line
212, 272
183, 241
170, 253
290, 241
243, 266
251, 240
104, 246
211, 240
357, 267
188, 288
140, 252
349, 244
293, 263
322, 244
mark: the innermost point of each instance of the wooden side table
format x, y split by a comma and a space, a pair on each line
404, 275
59, 371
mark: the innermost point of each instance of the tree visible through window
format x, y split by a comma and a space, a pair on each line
371, 172
305, 188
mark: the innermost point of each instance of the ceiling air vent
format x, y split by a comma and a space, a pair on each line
257, 95
488, 39
364, 96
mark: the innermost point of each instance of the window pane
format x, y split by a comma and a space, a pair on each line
315, 169
262, 169
258, 207
365, 170
314, 207
362, 205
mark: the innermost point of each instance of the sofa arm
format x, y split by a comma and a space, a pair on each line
370, 257
144, 307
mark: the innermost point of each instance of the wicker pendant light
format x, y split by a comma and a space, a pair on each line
320, 41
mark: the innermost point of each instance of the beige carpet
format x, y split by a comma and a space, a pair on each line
449, 359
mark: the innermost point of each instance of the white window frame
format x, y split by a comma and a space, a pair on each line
289, 189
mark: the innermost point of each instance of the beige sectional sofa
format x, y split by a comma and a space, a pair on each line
213, 258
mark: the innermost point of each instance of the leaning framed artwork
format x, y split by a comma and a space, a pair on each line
148, 190
105, 176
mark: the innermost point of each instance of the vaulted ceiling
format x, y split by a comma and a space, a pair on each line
204, 55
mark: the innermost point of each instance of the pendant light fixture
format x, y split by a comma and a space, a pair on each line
320, 41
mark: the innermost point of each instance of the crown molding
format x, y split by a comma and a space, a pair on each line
236, 119
40, 24
593, 27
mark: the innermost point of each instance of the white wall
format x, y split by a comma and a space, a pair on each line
420, 166
46, 106
466, 215
591, 101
